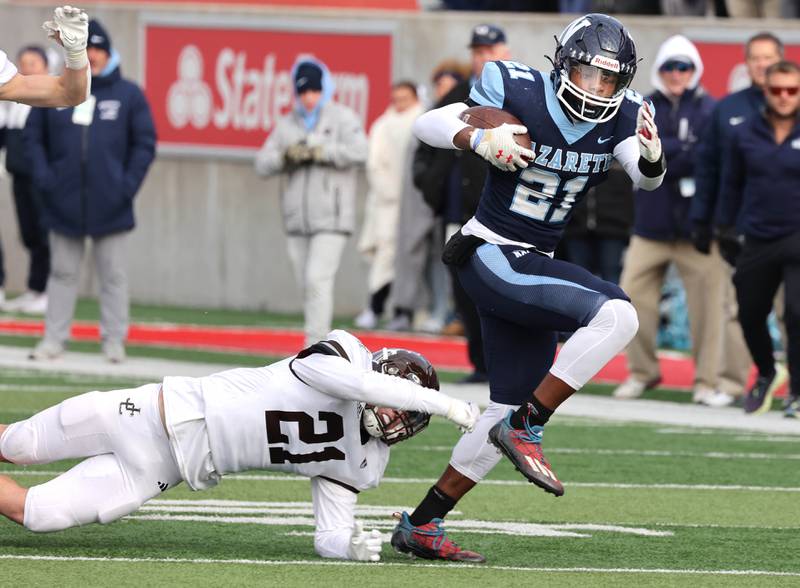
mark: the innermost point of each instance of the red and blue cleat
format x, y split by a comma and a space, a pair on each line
524, 448
429, 541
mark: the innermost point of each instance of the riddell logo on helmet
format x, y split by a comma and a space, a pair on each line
605, 63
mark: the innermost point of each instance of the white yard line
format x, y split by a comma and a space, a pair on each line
449, 566
376, 516
38, 388
643, 452
610, 485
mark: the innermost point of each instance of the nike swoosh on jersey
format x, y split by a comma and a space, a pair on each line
736, 120
602, 140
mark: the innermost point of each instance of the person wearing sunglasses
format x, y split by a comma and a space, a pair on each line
662, 229
761, 51
759, 230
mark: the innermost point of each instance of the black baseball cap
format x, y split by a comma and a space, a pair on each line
308, 77
487, 34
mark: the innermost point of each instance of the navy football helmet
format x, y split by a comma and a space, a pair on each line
389, 424
594, 64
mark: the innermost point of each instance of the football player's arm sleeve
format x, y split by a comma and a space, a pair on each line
732, 180
337, 377
334, 518
350, 147
646, 176
438, 127
269, 159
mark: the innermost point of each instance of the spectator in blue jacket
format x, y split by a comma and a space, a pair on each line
89, 163
761, 182
661, 232
761, 51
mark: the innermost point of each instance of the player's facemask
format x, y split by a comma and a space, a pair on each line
591, 93
593, 52
391, 425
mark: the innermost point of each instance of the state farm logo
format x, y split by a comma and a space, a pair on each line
189, 98
245, 98
605, 63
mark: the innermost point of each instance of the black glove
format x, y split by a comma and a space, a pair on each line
730, 244
701, 237
298, 154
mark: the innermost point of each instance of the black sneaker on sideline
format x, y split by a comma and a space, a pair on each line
759, 397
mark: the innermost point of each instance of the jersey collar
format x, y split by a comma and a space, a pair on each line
571, 131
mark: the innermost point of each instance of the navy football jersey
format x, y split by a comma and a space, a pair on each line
533, 205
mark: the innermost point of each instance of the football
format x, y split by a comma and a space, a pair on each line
489, 117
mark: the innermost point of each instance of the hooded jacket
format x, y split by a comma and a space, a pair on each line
663, 214
319, 197
89, 175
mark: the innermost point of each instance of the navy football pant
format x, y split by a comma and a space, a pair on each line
524, 300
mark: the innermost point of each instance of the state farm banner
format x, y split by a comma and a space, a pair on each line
223, 88
725, 70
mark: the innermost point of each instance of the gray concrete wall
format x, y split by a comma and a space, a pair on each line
209, 231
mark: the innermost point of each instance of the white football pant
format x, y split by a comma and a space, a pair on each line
129, 458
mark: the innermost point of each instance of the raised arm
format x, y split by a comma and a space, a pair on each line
342, 368
641, 154
70, 29
337, 377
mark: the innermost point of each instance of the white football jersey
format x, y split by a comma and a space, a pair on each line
268, 418
7, 69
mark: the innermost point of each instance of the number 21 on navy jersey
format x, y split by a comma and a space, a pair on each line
533, 205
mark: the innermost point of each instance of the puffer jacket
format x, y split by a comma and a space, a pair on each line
320, 197
89, 175
663, 214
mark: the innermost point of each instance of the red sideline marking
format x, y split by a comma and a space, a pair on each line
444, 352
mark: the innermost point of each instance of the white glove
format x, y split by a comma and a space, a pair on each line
70, 28
364, 546
464, 414
497, 146
647, 133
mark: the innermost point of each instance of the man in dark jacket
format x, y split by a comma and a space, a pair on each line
761, 51
451, 182
662, 231
761, 183
89, 163
27, 202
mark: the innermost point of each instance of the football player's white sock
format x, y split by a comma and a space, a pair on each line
591, 347
473, 456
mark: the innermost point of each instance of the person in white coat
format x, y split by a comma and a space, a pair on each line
388, 163
318, 147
